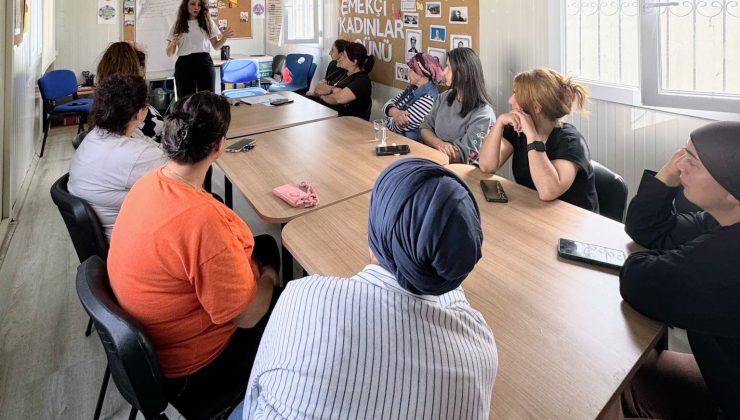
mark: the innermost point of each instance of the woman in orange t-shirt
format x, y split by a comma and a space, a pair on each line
189, 270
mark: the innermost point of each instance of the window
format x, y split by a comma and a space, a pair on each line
683, 58
301, 21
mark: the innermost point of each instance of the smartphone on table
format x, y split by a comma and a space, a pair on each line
493, 191
282, 101
241, 146
401, 149
591, 254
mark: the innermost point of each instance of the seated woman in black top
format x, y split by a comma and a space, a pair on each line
332, 71
541, 98
350, 94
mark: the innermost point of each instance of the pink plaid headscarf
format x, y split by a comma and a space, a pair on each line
427, 66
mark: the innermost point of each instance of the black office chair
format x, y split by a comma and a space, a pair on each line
131, 358
82, 224
612, 191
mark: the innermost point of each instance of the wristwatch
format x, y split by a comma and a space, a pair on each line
537, 146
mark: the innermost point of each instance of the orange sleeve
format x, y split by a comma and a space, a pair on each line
226, 282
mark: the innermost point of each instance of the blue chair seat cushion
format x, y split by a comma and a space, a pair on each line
76, 105
284, 87
243, 93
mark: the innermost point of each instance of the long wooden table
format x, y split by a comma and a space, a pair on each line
247, 120
337, 156
567, 343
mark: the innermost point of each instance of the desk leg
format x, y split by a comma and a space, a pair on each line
228, 193
287, 258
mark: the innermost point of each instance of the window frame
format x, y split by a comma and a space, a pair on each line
314, 40
634, 96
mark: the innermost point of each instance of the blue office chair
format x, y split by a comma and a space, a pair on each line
243, 92
55, 85
311, 72
299, 66
239, 71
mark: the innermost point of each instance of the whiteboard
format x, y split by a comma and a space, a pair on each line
154, 18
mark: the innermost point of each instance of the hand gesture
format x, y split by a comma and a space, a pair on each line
450, 150
669, 174
526, 126
177, 39
227, 33
512, 119
402, 119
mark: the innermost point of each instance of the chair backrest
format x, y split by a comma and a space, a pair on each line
57, 84
131, 357
311, 72
239, 71
299, 65
278, 62
82, 222
612, 192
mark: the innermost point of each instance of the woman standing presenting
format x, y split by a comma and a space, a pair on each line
191, 37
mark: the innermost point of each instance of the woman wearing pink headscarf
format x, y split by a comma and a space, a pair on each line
408, 109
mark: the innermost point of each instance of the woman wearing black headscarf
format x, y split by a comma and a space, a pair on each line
690, 278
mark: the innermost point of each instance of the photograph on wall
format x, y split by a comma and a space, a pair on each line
221, 4
402, 72
411, 20
433, 9
459, 15
213, 13
459, 41
243, 16
223, 24
437, 33
408, 5
413, 43
233, 4
212, 4
440, 54
128, 20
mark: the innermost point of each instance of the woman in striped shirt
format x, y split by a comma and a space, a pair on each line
408, 109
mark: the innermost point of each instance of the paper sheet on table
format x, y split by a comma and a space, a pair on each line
262, 99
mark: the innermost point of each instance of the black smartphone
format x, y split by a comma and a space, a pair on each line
283, 101
401, 149
241, 145
592, 254
493, 191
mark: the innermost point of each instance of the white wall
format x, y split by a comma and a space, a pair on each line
23, 116
80, 40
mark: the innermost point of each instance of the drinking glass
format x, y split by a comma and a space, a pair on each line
380, 130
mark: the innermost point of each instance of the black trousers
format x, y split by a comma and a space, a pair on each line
193, 73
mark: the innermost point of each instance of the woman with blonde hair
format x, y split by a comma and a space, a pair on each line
549, 155
126, 57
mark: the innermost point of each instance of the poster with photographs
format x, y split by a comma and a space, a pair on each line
437, 33
459, 15
433, 9
413, 43
440, 54
402, 72
411, 20
458, 41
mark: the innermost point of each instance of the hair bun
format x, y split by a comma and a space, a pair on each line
182, 126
